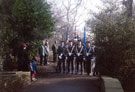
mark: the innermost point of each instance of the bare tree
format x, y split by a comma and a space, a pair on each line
66, 16
129, 5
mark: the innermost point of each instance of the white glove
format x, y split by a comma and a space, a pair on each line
87, 54
70, 54
78, 54
60, 56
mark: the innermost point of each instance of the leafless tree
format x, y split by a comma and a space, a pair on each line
129, 6
66, 16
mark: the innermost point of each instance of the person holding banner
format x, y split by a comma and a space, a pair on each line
61, 57
88, 54
79, 57
70, 56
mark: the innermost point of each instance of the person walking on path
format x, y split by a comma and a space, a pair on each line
54, 49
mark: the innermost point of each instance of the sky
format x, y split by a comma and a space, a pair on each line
83, 11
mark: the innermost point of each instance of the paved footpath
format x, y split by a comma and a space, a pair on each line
50, 81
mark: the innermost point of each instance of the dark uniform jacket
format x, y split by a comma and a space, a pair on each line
61, 50
80, 49
89, 50
54, 48
70, 49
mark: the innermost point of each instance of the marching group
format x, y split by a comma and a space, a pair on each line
74, 57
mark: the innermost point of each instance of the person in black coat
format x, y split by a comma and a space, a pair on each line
95, 66
54, 49
61, 57
79, 57
70, 56
23, 59
88, 55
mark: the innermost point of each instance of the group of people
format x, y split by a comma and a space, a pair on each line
74, 57
44, 53
71, 57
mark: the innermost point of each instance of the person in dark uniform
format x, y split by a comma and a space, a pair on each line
94, 64
54, 49
88, 55
79, 56
70, 56
61, 57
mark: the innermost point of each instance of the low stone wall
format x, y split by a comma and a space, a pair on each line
14, 81
112, 85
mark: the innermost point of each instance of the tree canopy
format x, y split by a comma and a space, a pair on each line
24, 21
114, 33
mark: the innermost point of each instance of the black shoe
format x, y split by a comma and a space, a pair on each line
76, 73
72, 73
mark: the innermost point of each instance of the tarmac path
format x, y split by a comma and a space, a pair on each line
50, 81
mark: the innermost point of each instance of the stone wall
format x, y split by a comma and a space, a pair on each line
112, 85
14, 81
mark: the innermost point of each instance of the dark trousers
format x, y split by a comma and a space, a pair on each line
61, 63
42, 60
23, 65
88, 64
54, 57
70, 63
79, 61
59, 66
46, 59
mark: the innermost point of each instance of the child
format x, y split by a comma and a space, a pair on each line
33, 68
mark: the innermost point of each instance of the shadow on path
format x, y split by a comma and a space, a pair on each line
57, 82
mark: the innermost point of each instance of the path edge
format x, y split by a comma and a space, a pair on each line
111, 84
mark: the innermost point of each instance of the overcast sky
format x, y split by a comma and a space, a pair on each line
83, 10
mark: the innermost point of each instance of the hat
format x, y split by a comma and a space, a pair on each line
62, 41
70, 41
79, 41
88, 42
